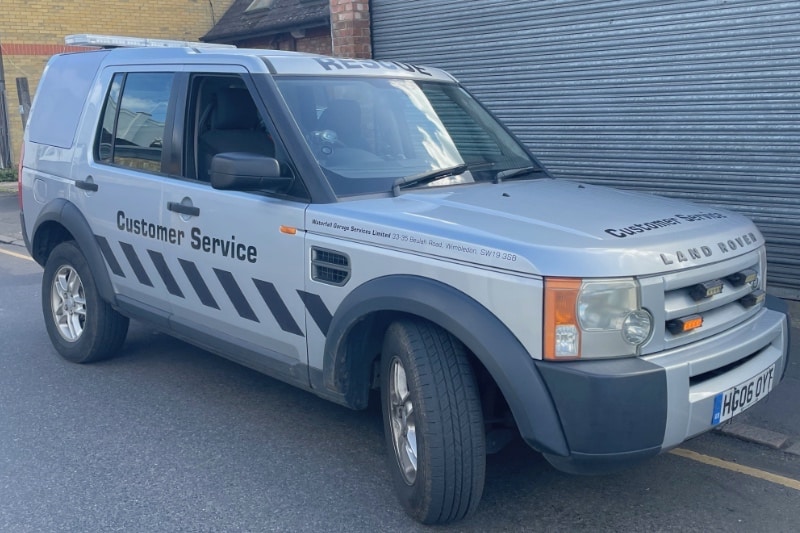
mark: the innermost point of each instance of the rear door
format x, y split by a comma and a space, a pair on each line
120, 185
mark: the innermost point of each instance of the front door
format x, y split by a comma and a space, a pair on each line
243, 261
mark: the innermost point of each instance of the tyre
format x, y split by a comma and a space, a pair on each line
82, 327
432, 421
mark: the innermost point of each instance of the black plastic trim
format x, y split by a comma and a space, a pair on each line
135, 309
178, 207
348, 375
172, 154
108, 253
24, 232
258, 358
774, 303
86, 186
63, 212
595, 464
614, 406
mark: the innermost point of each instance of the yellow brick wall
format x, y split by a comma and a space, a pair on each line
26, 25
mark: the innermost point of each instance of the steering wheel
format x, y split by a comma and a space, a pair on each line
324, 141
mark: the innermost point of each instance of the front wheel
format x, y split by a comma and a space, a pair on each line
432, 421
82, 327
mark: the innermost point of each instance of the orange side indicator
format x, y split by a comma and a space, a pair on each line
693, 323
288, 230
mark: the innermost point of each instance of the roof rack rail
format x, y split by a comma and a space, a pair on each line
119, 41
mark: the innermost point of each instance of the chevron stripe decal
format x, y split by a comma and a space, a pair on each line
276, 305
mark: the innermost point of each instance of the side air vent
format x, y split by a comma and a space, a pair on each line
329, 267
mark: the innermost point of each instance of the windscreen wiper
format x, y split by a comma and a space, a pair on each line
426, 177
512, 173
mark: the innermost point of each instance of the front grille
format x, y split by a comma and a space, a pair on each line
717, 293
711, 374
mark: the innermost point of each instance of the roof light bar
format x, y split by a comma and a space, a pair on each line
117, 41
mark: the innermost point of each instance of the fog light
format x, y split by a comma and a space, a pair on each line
637, 326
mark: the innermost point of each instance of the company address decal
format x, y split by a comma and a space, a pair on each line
419, 241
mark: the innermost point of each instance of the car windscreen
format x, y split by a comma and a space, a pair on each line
366, 133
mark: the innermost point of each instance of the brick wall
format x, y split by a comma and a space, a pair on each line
316, 41
33, 30
348, 36
313, 41
350, 29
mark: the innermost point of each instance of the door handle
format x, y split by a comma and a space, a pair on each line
183, 209
86, 185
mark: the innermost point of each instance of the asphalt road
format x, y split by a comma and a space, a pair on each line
166, 437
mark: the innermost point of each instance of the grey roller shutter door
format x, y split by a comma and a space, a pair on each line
696, 99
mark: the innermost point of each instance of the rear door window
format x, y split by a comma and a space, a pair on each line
133, 120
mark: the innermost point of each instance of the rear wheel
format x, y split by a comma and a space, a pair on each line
82, 327
432, 421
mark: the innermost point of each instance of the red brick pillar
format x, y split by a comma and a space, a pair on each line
350, 28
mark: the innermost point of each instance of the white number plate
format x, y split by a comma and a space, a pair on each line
735, 400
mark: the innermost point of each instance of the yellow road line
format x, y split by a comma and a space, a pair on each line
735, 467
15, 254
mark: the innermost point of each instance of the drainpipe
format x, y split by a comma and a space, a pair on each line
5, 139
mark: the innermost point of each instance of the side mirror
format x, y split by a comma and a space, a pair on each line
241, 171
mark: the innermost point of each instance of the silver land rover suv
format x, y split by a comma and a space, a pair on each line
355, 225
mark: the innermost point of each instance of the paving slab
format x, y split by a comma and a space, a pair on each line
765, 437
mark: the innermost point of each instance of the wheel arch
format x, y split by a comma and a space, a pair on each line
356, 334
59, 221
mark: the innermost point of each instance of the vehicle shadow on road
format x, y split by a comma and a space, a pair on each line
272, 442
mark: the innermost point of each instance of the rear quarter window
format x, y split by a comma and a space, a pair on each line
61, 97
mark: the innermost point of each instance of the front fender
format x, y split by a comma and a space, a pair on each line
65, 214
500, 352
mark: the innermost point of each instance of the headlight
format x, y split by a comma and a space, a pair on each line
593, 319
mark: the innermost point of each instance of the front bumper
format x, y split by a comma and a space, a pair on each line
615, 413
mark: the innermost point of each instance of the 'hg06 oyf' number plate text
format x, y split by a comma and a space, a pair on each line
736, 399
